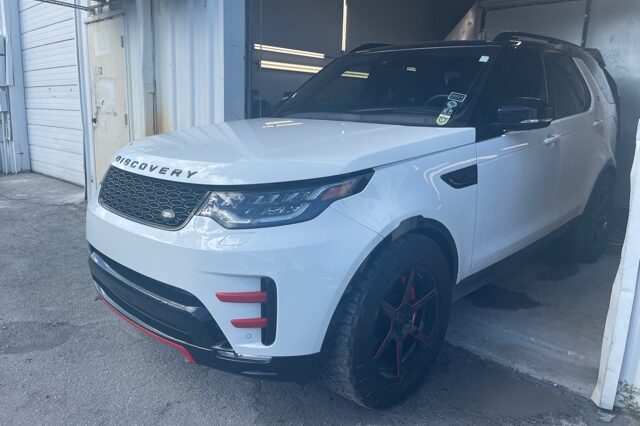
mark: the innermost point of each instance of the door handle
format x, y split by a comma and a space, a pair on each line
551, 140
598, 123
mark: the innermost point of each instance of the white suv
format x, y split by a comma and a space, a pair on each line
337, 233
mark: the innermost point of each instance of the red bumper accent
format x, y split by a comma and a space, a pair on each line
182, 349
249, 323
243, 297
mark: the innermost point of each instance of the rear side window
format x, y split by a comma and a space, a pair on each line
568, 91
524, 77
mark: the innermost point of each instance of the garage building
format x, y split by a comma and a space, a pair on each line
85, 78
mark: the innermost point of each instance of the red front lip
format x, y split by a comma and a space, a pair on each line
182, 349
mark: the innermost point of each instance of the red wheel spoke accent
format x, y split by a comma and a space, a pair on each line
421, 337
409, 290
389, 310
399, 353
420, 303
385, 343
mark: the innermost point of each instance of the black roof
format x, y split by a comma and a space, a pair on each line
380, 47
511, 38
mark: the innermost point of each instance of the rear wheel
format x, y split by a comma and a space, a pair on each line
588, 239
392, 323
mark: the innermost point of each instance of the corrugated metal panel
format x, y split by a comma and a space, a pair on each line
183, 49
51, 89
197, 63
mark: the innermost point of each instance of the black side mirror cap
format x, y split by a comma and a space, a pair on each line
525, 114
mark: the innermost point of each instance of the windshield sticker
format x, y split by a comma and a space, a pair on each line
457, 97
447, 112
442, 119
484, 58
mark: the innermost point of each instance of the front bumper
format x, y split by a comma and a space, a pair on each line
310, 263
189, 329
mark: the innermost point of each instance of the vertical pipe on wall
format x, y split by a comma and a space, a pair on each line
174, 80
585, 28
85, 102
191, 61
248, 63
10, 14
215, 15
146, 72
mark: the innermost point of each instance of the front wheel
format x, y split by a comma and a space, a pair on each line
391, 323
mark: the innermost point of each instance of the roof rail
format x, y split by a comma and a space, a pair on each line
368, 46
516, 35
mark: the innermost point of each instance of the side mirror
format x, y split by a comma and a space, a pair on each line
525, 114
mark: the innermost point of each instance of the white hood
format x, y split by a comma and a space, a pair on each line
280, 150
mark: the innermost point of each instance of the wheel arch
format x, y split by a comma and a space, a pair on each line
430, 228
608, 169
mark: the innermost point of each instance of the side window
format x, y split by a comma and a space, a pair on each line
567, 89
524, 77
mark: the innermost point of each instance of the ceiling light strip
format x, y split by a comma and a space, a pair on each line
285, 66
344, 26
287, 51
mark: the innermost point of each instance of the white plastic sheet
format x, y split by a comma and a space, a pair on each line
617, 342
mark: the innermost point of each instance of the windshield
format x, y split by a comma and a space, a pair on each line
420, 87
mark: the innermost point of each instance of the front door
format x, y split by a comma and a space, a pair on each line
517, 173
106, 56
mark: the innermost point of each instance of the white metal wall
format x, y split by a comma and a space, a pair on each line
186, 58
51, 89
561, 20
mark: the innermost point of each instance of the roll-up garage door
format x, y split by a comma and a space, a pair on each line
51, 86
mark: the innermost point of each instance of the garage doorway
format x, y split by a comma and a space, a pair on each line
547, 317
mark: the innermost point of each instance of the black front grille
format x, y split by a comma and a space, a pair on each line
144, 199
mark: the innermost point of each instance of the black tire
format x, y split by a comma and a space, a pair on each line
409, 280
588, 239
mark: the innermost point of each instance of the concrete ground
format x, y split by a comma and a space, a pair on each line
66, 359
546, 320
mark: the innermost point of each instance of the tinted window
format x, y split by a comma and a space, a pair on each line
524, 77
428, 87
568, 91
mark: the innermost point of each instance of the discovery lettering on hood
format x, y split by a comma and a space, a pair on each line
135, 164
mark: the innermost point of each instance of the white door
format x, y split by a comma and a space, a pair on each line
580, 126
109, 90
517, 174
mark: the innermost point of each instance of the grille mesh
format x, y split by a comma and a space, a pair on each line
144, 199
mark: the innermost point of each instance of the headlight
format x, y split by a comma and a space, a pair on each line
279, 204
